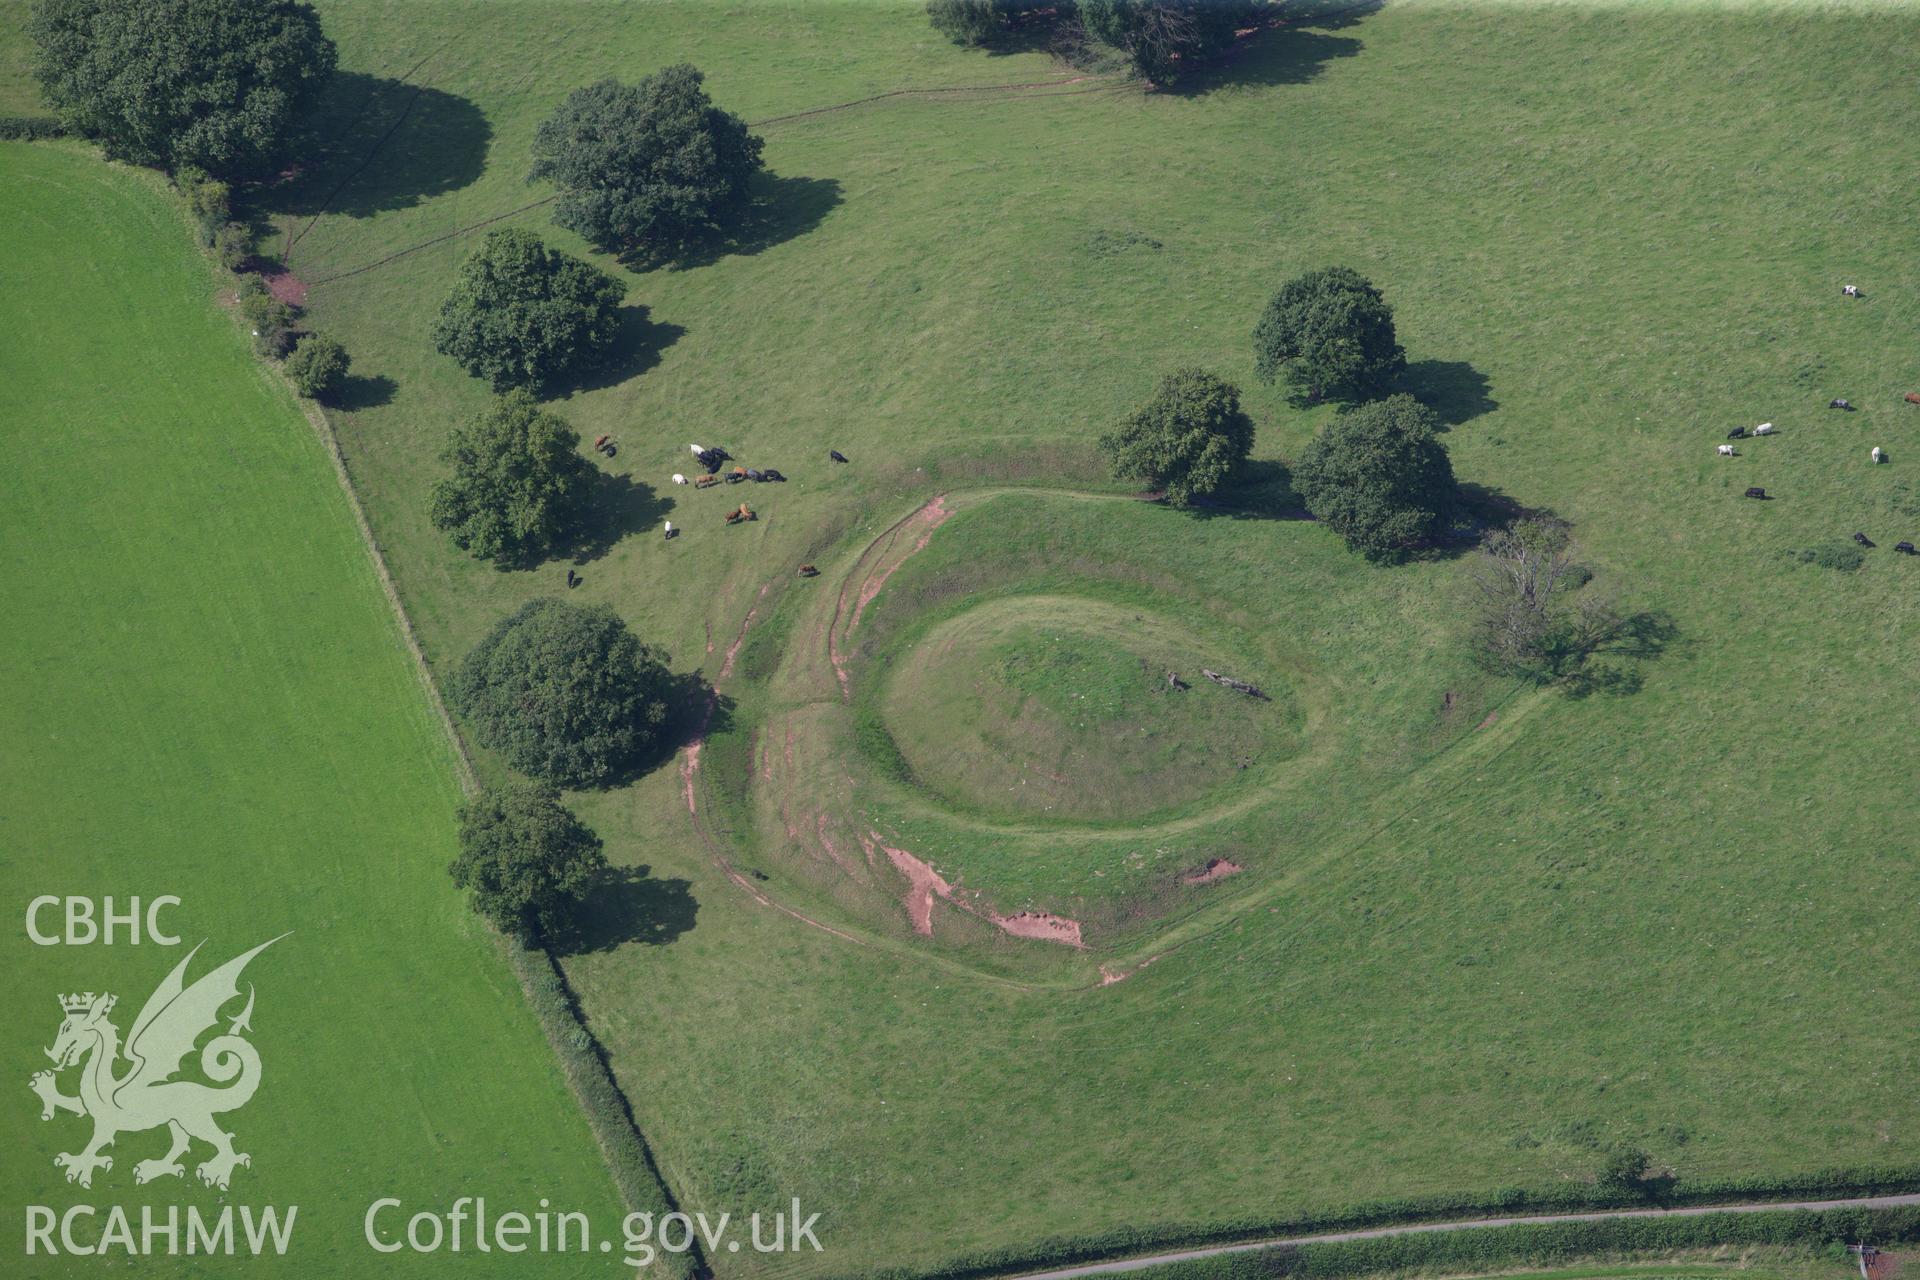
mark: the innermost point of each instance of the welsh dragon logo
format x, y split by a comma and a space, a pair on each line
145, 1095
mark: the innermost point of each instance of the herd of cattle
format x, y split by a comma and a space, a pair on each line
1877, 454
713, 460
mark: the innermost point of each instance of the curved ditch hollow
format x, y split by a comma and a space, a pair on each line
802, 772
887, 859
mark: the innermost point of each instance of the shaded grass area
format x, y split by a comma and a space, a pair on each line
1611, 232
208, 697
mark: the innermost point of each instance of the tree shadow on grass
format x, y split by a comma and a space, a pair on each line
1259, 490
1329, 15
357, 393
1480, 509
1453, 389
1280, 55
781, 209
695, 709
629, 905
636, 349
1637, 637
618, 506
381, 144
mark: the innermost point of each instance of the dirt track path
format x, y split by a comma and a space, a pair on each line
1374, 1233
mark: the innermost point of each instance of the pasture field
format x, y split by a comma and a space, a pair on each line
1476, 939
207, 696
1677, 918
19, 95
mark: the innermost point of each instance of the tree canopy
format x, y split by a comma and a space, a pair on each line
525, 860
318, 366
1331, 333
1379, 476
653, 168
1187, 438
524, 315
519, 485
564, 692
1163, 39
969, 22
221, 85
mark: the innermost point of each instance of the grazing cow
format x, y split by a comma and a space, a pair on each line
1863, 539
1757, 492
1727, 451
1850, 290
753, 475
678, 478
699, 450
1877, 455
669, 530
808, 571
1764, 429
705, 482
1905, 548
836, 455
573, 579
743, 513
1738, 433
1913, 397
775, 476
1840, 404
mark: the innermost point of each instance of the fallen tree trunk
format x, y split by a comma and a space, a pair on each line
1252, 691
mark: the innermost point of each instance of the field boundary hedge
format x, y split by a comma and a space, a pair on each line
1485, 1249
1124, 1242
30, 128
582, 1058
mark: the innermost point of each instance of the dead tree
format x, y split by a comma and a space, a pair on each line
1241, 686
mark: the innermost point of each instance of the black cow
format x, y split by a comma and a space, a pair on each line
1840, 404
1905, 548
836, 455
1738, 433
775, 476
1863, 539
1757, 492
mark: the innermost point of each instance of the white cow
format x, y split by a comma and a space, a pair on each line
697, 449
678, 478
1764, 429
669, 529
1851, 290
1726, 451
1877, 455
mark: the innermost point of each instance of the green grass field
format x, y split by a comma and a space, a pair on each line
1466, 953
207, 696
1609, 233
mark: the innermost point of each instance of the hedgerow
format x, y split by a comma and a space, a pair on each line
30, 128
1829, 1184
1546, 1244
634, 1176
